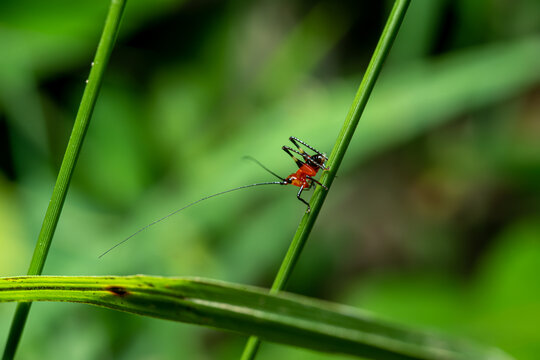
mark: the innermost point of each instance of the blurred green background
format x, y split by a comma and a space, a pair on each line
433, 221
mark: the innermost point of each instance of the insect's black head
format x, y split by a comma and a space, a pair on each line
318, 159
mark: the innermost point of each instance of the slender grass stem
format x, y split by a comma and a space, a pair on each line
336, 157
86, 107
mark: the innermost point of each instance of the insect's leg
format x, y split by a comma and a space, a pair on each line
305, 155
302, 200
320, 166
296, 140
317, 182
289, 151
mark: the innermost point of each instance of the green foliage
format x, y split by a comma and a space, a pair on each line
428, 223
50, 221
283, 318
299, 240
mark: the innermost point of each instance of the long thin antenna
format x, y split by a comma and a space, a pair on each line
264, 167
191, 204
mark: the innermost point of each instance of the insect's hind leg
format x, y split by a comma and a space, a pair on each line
302, 200
296, 140
290, 151
308, 157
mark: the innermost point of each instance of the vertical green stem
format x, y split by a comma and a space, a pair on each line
338, 152
54, 209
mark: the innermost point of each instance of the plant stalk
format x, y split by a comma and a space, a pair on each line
336, 157
50, 221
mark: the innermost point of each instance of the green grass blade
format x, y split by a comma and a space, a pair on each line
80, 126
338, 152
283, 318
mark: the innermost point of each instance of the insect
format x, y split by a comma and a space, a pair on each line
307, 169
304, 178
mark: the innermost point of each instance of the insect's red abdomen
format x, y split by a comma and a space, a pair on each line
296, 181
308, 170
299, 178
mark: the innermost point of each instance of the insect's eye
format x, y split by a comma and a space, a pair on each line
317, 159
